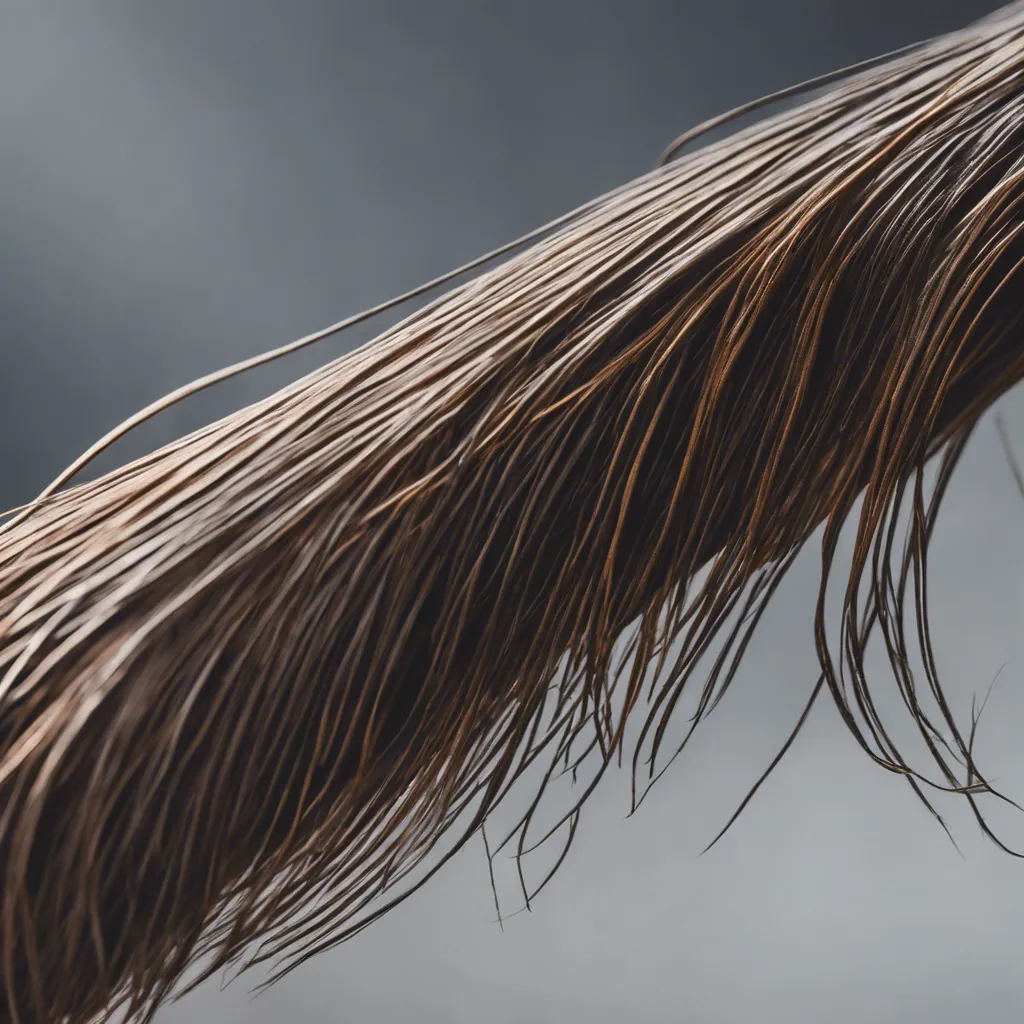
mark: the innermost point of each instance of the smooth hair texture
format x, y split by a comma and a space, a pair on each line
249, 682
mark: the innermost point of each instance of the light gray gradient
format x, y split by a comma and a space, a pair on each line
186, 183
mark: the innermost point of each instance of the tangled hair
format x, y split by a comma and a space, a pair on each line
249, 682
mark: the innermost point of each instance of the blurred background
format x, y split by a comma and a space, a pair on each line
186, 184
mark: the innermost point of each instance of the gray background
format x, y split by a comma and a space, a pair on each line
186, 183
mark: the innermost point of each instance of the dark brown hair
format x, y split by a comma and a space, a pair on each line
250, 681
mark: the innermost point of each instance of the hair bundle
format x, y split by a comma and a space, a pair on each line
267, 667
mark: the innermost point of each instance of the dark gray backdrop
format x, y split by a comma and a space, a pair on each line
186, 183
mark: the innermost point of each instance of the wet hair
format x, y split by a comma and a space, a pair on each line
250, 682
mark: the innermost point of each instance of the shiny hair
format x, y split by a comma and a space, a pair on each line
249, 682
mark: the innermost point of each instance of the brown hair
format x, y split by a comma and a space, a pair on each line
249, 682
